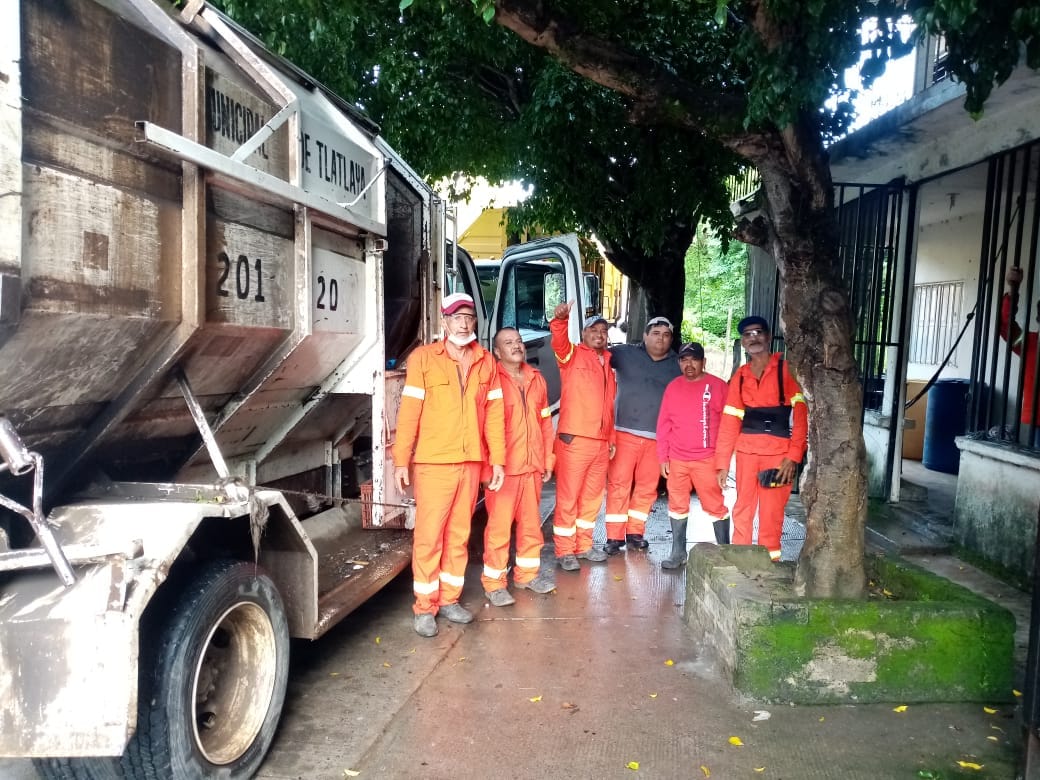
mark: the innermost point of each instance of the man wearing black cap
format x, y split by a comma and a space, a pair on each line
643, 371
765, 420
687, 429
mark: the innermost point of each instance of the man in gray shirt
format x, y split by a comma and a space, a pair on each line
643, 371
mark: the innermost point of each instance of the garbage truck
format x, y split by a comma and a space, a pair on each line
212, 272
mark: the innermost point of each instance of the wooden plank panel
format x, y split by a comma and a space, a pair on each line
249, 277
117, 75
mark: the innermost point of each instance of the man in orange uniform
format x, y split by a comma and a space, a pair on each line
585, 435
1023, 344
765, 419
643, 371
529, 463
451, 421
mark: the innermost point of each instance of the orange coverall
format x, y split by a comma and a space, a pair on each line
529, 441
448, 425
1028, 357
758, 451
587, 392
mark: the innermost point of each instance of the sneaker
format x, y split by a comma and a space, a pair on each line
425, 624
539, 584
614, 546
456, 613
500, 597
568, 563
594, 555
636, 541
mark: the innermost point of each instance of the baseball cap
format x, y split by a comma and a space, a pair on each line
692, 349
594, 319
452, 303
753, 320
659, 321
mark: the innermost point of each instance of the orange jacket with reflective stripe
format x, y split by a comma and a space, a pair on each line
529, 428
444, 419
746, 391
587, 387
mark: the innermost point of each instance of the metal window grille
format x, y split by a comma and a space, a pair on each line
936, 321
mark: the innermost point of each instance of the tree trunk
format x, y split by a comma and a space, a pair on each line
662, 275
817, 325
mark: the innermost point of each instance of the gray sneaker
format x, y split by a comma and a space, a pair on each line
593, 554
500, 597
425, 624
456, 613
539, 584
568, 563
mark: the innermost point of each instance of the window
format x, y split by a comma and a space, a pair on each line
937, 317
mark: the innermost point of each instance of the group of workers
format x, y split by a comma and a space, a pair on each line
629, 415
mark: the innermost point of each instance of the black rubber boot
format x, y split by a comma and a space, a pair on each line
721, 528
678, 556
636, 542
614, 546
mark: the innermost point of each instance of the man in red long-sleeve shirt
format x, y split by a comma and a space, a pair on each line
765, 420
1024, 345
687, 429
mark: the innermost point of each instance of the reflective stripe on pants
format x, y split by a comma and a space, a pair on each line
631, 485
517, 500
697, 475
445, 496
581, 478
769, 502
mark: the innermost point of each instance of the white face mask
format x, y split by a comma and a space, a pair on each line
461, 341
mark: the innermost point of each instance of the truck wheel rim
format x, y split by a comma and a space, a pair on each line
234, 682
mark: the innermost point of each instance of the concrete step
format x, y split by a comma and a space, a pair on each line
909, 528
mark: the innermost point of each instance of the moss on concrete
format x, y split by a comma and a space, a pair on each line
926, 639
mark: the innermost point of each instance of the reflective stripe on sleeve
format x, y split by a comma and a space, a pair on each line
495, 395
616, 518
734, 411
584, 524
637, 515
797, 398
567, 357
527, 563
413, 392
546, 412
493, 574
559, 530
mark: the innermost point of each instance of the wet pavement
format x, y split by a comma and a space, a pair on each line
599, 679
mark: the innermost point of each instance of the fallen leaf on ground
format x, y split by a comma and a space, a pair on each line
653, 695
536, 699
736, 742
900, 708
669, 662
970, 765
1017, 693
761, 715
568, 706
731, 584
333, 674
378, 640
618, 578
350, 773
989, 710
633, 765
821, 719
706, 771
991, 738
998, 728
759, 768
386, 664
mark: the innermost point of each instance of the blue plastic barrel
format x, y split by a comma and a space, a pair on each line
943, 422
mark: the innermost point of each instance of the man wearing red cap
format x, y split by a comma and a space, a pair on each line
585, 435
450, 422
643, 372
529, 463
687, 429
765, 420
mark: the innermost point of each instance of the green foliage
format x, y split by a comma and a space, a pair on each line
715, 274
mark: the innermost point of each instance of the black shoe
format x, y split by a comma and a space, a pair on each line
614, 546
636, 541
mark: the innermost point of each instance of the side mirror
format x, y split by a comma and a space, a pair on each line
591, 283
553, 293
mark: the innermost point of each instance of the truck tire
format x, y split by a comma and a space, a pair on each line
213, 671
213, 678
